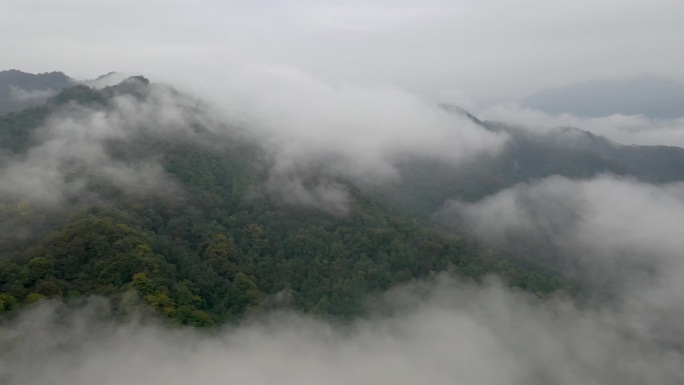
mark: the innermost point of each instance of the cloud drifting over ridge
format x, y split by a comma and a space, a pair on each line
71, 147
305, 127
364, 130
357, 133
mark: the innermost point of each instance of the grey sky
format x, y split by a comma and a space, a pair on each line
492, 49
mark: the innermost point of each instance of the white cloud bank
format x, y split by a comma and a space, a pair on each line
361, 131
441, 333
624, 235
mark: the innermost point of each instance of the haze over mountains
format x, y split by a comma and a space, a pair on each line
329, 228
326, 192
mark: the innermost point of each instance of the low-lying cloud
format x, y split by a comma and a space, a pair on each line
614, 214
623, 236
442, 332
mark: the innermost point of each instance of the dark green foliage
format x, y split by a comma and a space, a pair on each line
16, 128
217, 246
206, 265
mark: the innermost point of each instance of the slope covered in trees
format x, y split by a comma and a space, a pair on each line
196, 234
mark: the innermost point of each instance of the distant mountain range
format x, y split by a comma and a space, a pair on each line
651, 96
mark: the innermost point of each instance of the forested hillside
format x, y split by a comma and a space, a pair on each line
195, 232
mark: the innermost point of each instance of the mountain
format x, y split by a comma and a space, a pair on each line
651, 96
177, 216
134, 192
19, 90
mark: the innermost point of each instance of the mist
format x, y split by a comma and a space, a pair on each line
620, 234
443, 331
303, 126
22, 95
71, 147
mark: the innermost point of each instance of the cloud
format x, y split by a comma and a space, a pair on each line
624, 129
71, 149
617, 236
620, 234
441, 332
608, 214
22, 95
343, 130
315, 137
308, 127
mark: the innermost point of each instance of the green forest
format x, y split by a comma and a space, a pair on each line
219, 246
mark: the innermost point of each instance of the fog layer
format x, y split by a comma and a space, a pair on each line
444, 332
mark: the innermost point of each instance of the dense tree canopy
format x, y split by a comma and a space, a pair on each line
217, 245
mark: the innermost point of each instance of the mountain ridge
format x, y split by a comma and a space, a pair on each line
158, 221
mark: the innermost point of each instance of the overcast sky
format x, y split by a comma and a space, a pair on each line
493, 49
